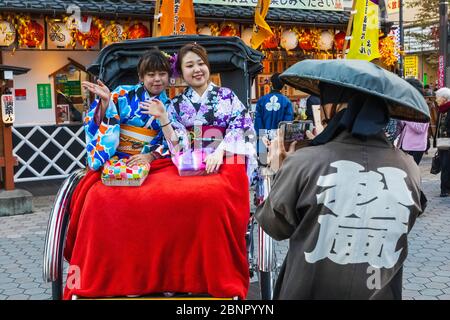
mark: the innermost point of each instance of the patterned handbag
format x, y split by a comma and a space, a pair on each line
116, 173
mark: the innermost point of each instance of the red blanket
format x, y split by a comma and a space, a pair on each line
177, 234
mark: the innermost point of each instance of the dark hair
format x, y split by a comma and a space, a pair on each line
195, 48
416, 84
277, 84
153, 60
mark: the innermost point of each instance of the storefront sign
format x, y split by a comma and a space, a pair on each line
338, 5
441, 72
8, 108
412, 67
393, 6
21, 94
44, 96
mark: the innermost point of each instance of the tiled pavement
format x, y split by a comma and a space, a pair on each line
426, 272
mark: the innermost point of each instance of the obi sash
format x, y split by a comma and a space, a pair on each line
133, 139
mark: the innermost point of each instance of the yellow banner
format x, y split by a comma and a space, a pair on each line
364, 41
178, 17
411, 66
261, 30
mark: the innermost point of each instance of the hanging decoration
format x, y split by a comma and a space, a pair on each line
308, 39
215, 30
113, 33
31, 34
59, 35
7, 33
339, 39
137, 31
273, 41
229, 29
204, 30
88, 39
326, 40
388, 51
246, 36
289, 40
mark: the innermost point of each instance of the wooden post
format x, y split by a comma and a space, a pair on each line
349, 29
155, 31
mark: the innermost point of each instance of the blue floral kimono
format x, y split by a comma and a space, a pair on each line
219, 108
103, 135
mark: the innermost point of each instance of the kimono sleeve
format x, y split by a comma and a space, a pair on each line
181, 133
102, 135
277, 215
258, 117
240, 134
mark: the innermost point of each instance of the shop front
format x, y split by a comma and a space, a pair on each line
57, 41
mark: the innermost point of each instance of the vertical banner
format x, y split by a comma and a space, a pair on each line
441, 72
177, 17
261, 30
44, 96
8, 108
364, 41
411, 67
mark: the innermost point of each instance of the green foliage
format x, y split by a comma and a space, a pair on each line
428, 11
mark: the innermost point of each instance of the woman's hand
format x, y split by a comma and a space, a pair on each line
277, 152
214, 161
140, 159
100, 90
156, 109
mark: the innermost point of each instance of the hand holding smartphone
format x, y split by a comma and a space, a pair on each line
295, 131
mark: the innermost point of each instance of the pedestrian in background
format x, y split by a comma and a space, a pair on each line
443, 101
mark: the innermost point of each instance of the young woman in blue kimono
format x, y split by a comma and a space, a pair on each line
115, 118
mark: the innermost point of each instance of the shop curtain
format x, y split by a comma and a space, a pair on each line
178, 17
364, 42
261, 30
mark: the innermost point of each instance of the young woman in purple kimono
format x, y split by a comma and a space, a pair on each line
204, 107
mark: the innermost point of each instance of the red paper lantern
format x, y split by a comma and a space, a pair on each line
228, 31
339, 40
31, 34
88, 39
305, 41
137, 31
272, 42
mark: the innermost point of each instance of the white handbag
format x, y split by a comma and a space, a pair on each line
443, 143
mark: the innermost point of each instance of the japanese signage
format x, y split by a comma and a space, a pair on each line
286, 4
8, 108
44, 96
441, 72
393, 6
412, 67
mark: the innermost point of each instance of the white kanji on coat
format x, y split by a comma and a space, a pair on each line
369, 214
273, 104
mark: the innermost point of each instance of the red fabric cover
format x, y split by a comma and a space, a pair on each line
178, 234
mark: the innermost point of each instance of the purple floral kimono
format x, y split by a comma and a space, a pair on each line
218, 111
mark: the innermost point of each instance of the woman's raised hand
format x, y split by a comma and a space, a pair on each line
154, 108
100, 90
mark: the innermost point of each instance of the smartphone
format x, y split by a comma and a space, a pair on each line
295, 131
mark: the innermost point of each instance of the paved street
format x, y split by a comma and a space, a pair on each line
426, 273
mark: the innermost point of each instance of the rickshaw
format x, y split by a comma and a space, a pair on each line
116, 64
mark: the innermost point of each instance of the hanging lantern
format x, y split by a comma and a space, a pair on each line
204, 30
339, 40
306, 40
7, 34
59, 35
113, 33
325, 42
272, 42
137, 31
388, 51
246, 36
31, 34
289, 40
88, 39
228, 30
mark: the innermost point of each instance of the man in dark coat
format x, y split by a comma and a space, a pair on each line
346, 204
